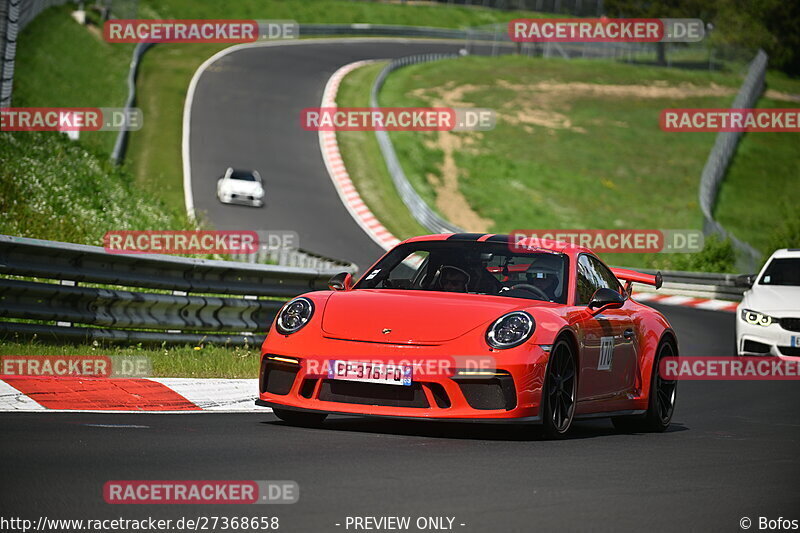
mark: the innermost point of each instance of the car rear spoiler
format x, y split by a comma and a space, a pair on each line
631, 276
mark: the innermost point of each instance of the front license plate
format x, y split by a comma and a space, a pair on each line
369, 372
795, 341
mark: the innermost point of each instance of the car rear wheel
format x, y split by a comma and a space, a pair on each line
560, 391
299, 418
661, 404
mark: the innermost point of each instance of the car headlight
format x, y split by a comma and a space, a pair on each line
259, 193
756, 318
294, 315
510, 330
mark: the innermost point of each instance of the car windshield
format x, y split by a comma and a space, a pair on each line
782, 271
471, 267
242, 175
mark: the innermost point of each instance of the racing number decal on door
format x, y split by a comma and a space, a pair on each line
606, 353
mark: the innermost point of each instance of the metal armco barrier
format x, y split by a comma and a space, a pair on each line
207, 298
696, 284
721, 155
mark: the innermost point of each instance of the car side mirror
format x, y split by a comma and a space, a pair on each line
745, 280
343, 281
606, 298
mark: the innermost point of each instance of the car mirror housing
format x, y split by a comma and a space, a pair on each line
343, 281
745, 280
606, 298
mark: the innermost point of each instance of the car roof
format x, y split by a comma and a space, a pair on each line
786, 252
534, 244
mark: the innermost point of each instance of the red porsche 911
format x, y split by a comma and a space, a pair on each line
474, 327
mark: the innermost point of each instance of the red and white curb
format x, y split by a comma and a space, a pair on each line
686, 301
338, 173
134, 395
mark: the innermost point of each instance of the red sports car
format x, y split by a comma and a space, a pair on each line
474, 327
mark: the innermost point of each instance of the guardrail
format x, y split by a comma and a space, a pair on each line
120, 145
721, 155
183, 300
696, 284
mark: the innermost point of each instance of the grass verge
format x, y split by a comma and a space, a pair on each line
52, 188
578, 145
179, 361
364, 161
60, 63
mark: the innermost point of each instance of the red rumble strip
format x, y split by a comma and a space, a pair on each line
101, 394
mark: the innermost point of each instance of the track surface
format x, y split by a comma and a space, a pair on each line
246, 113
731, 452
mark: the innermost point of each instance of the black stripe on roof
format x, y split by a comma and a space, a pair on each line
465, 236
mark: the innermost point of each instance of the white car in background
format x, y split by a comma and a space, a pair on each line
241, 187
768, 319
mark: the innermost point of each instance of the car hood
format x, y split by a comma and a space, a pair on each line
413, 317
241, 186
773, 299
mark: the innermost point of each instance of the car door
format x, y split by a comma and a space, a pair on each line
608, 354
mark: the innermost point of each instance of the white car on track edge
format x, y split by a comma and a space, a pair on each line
768, 319
241, 187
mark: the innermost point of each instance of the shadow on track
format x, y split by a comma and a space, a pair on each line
585, 429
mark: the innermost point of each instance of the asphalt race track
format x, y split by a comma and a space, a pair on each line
246, 113
730, 452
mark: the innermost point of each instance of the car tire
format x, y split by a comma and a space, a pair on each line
661, 399
299, 418
560, 391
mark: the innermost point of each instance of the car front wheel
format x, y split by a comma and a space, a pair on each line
560, 391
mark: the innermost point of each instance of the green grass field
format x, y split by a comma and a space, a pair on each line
53, 188
178, 361
332, 12
62, 64
578, 145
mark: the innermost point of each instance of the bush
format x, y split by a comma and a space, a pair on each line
53, 188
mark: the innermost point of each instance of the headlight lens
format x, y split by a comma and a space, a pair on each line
294, 315
756, 318
510, 330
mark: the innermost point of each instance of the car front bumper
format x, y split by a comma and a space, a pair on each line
512, 395
773, 340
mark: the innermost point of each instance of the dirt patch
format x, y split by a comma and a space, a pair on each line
449, 200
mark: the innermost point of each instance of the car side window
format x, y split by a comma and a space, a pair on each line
605, 273
593, 275
587, 283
